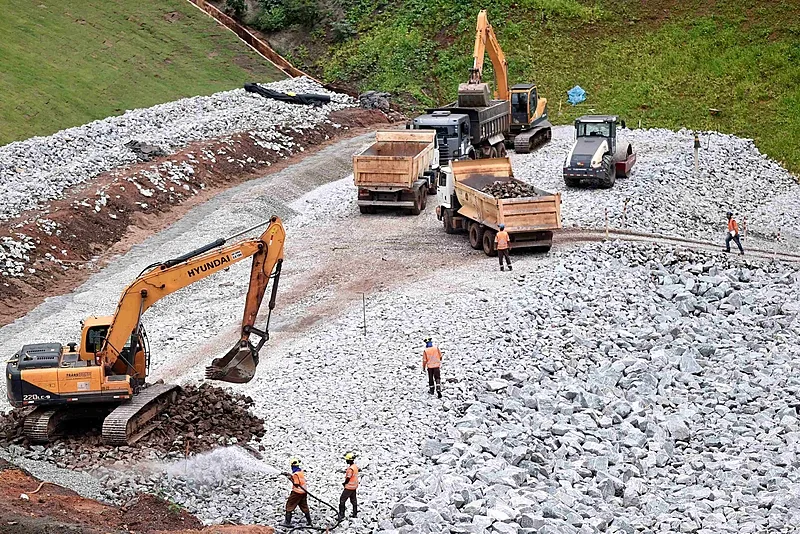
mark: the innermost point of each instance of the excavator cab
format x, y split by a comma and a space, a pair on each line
525, 103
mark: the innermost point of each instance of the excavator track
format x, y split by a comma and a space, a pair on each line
130, 422
45, 423
528, 141
41, 425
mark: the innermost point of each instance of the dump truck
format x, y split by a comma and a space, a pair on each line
398, 170
468, 132
464, 205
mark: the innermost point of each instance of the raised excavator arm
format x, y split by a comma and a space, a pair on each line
162, 279
529, 125
109, 368
486, 41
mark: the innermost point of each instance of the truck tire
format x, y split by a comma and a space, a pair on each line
609, 172
417, 209
447, 221
571, 181
476, 232
488, 243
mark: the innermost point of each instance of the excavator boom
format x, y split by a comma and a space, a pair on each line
105, 373
475, 93
167, 277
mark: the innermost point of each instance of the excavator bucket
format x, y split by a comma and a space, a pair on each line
474, 95
237, 366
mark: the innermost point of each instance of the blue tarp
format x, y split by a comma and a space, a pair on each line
576, 95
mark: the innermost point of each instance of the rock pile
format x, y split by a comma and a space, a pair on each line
510, 189
41, 168
666, 196
375, 100
659, 391
202, 418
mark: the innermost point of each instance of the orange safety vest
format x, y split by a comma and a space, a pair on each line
352, 474
733, 226
502, 240
432, 357
299, 479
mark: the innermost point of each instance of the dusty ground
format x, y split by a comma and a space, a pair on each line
57, 510
82, 244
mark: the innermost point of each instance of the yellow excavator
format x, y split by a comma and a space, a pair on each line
104, 376
529, 127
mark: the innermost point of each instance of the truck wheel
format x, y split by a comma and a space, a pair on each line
476, 232
423, 198
609, 172
447, 221
488, 243
417, 209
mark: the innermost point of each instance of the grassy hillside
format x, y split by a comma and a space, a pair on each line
66, 63
664, 62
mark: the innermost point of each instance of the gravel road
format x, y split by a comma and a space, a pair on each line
598, 362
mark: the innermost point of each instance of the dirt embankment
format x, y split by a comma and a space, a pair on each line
28, 506
77, 234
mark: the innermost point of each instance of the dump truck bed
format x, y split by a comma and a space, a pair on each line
522, 214
397, 159
485, 122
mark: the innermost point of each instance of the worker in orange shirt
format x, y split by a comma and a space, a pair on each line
733, 234
502, 242
432, 362
299, 495
350, 486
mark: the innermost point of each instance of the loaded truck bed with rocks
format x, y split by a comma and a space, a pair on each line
481, 195
397, 171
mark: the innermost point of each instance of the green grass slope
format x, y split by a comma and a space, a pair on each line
662, 62
66, 63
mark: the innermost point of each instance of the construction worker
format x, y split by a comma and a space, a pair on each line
432, 362
298, 496
502, 242
733, 234
350, 486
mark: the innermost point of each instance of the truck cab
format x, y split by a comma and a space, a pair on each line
452, 134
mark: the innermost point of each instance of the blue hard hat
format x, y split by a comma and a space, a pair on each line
501, 226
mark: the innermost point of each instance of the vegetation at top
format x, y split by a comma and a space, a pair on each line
666, 63
63, 64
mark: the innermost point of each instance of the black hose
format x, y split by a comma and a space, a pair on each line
311, 527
